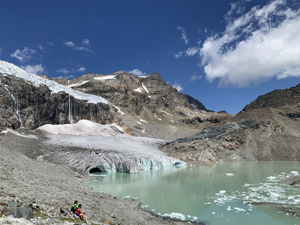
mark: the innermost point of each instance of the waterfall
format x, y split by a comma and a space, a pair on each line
70, 112
16, 105
100, 114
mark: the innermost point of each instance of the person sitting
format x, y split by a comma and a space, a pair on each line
79, 212
74, 207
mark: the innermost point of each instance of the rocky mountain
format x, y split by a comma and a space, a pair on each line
26, 101
147, 105
143, 106
266, 129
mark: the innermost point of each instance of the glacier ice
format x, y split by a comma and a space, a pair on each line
11, 69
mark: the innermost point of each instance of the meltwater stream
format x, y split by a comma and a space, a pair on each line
221, 194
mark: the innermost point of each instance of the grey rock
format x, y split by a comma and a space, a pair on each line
53, 220
13, 204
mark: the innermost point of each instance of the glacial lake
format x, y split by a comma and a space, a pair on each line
219, 194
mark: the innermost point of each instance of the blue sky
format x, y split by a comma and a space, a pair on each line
225, 53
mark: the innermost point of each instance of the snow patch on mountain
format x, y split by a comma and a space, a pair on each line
78, 84
145, 87
11, 69
108, 77
138, 90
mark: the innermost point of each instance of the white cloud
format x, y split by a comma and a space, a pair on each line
256, 46
66, 71
23, 55
177, 86
195, 77
50, 43
63, 70
35, 69
85, 41
137, 72
192, 51
78, 48
183, 35
81, 69
178, 55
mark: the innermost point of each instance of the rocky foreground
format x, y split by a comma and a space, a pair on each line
43, 192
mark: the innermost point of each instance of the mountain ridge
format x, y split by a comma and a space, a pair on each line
143, 106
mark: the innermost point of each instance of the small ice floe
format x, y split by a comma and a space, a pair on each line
228, 208
207, 203
239, 209
213, 212
272, 178
295, 173
175, 215
195, 218
229, 174
127, 196
222, 192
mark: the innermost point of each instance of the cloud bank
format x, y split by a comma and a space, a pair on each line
255, 46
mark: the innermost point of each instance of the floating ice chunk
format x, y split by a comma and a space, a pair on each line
175, 215
239, 209
222, 192
272, 178
295, 172
229, 174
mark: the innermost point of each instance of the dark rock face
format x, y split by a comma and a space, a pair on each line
275, 99
23, 104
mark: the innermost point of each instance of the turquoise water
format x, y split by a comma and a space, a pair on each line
220, 194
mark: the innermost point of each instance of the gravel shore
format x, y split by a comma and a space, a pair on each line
50, 189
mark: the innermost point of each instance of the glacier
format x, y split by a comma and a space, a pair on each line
11, 69
87, 145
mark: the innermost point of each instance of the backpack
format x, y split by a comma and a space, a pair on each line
73, 210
